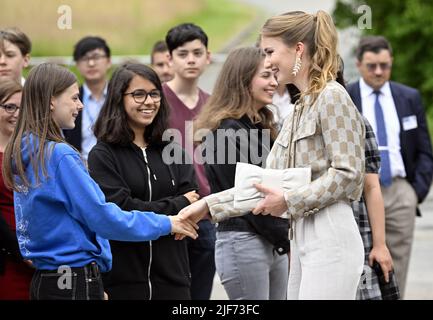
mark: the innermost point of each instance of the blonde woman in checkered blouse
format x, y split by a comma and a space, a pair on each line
325, 132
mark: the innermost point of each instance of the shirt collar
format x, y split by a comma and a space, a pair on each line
87, 94
366, 90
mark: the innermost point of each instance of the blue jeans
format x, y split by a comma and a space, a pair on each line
83, 283
249, 268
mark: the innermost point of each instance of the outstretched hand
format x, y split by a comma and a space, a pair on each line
183, 227
194, 212
273, 203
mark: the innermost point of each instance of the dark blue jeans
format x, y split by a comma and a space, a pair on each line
83, 283
201, 254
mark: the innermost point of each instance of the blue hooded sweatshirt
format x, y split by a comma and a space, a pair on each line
64, 220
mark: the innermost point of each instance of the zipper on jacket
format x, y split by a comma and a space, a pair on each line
150, 199
171, 175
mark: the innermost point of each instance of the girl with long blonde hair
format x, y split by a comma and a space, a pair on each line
325, 133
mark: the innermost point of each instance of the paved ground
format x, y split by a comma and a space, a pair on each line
420, 278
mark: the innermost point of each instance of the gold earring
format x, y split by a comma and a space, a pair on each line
297, 66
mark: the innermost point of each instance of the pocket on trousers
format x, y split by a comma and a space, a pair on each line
96, 288
244, 236
412, 198
320, 252
57, 286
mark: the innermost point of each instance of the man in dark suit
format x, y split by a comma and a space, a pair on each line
92, 57
396, 113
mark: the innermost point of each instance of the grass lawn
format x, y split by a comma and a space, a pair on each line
129, 26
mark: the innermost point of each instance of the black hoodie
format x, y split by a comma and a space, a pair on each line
137, 179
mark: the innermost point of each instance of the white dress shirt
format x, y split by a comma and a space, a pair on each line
90, 113
392, 123
281, 107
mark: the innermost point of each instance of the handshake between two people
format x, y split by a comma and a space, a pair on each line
257, 190
185, 227
273, 203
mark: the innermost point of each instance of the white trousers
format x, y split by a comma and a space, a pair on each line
327, 255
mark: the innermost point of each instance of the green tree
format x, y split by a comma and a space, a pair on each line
408, 25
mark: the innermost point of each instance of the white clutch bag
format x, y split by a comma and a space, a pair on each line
246, 195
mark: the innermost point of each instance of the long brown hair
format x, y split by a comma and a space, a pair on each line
319, 35
232, 97
112, 125
44, 82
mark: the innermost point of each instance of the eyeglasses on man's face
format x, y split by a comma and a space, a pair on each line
93, 57
372, 67
10, 107
140, 96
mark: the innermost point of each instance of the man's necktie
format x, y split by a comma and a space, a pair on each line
382, 139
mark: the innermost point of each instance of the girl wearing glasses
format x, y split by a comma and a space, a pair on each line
128, 164
61, 214
15, 275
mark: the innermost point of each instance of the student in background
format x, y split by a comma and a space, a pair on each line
15, 48
160, 61
15, 274
189, 55
92, 58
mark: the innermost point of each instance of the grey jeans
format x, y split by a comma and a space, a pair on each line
248, 267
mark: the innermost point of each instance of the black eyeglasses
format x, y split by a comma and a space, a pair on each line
95, 57
140, 96
383, 66
10, 107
